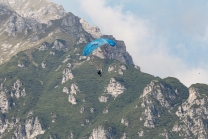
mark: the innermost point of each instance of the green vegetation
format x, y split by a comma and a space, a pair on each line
203, 88
45, 98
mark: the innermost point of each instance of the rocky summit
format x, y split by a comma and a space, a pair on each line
48, 90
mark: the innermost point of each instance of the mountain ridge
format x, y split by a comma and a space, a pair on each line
49, 90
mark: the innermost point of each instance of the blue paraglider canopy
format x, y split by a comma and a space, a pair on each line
95, 44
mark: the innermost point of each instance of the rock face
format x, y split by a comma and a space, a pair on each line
42, 10
35, 21
30, 129
117, 68
193, 116
163, 95
93, 30
100, 133
74, 90
114, 88
16, 23
17, 90
4, 102
99, 53
119, 52
58, 45
71, 24
160, 93
3, 125
72, 99
43, 47
14, 26
67, 74
111, 68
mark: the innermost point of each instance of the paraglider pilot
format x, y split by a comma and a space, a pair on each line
99, 72
90, 47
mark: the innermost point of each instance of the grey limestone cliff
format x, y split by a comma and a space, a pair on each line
155, 92
193, 115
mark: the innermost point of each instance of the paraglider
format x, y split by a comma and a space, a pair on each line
94, 45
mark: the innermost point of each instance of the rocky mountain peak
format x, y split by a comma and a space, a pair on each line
27, 19
93, 30
41, 10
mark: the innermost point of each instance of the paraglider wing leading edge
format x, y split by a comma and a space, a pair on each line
95, 44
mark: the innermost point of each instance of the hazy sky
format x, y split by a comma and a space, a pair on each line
164, 37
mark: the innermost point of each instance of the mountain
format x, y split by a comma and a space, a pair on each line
40, 10
48, 90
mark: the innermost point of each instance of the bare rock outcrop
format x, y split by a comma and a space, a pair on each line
43, 10
58, 45
125, 122
118, 52
117, 68
17, 23
157, 90
30, 129
99, 53
105, 111
82, 57
43, 64
21, 65
124, 136
73, 91
65, 90
4, 101
82, 40
3, 125
103, 99
149, 115
141, 133
193, 115
92, 110
93, 30
43, 47
81, 109
114, 88
100, 133
17, 91
110, 68
72, 99
67, 75
71, 24
152, 93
